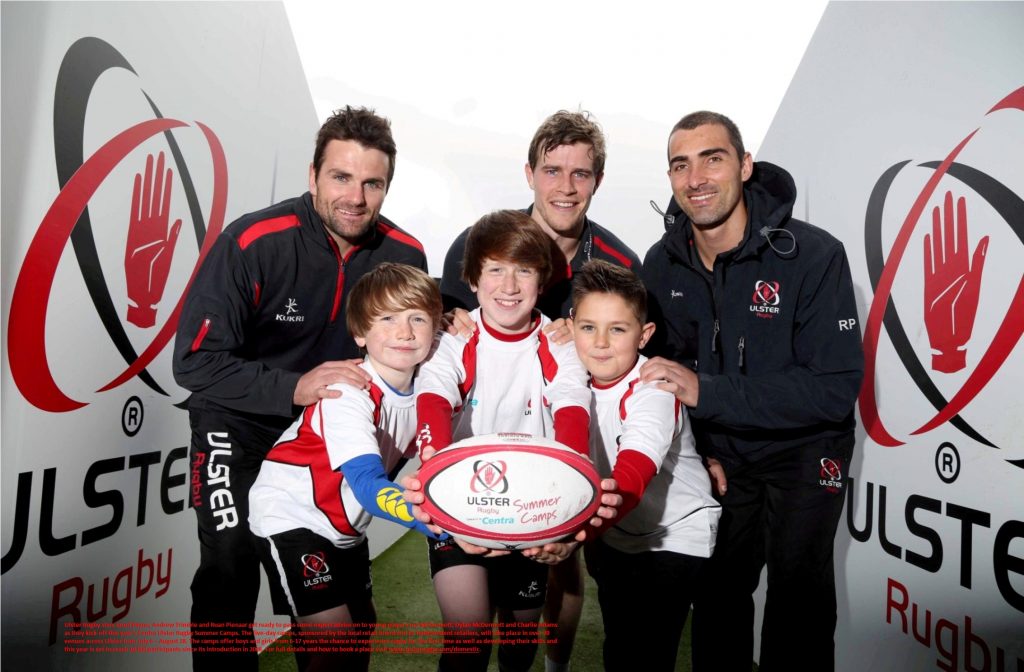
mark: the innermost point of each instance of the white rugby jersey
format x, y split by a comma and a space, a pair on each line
677, 512
299, 485
497, 385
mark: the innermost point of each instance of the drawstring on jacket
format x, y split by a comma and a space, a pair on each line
766, 232
668, 219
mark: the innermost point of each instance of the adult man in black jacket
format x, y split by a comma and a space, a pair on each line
262, 334
759, 340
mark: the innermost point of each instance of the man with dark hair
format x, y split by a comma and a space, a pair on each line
755, 312
705, 118
362, 125
565, 166
262, 334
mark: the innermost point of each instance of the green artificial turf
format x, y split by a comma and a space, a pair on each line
403, 594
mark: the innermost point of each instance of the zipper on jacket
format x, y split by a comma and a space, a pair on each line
339, 285
712, 283
717, 284
741, 346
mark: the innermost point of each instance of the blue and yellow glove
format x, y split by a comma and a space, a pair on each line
380, 496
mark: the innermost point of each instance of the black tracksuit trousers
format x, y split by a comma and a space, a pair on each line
225, 457
781, 511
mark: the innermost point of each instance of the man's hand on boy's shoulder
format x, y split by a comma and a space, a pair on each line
558, 332
312, 386
672, 377
457, 322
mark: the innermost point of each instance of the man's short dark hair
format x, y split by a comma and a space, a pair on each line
362, 125
568, 128
703, 118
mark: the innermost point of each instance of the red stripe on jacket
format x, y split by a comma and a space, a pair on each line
392, 232
267, 226
608, 249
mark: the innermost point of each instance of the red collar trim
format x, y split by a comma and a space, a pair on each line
511, 338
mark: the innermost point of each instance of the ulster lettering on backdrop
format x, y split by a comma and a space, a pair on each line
116, 205
94, 498
933, 552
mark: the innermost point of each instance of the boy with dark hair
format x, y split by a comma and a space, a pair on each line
327, 474
639, 434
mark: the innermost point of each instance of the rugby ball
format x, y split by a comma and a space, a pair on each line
509, 491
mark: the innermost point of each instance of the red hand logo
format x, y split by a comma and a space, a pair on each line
150, 248
951, 285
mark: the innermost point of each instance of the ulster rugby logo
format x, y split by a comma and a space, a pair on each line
315, 571
955, 276
314, 564
489, 477
150, 232
831, 474
765, 301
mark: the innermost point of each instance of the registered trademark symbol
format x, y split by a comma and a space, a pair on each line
947, 462
131, 416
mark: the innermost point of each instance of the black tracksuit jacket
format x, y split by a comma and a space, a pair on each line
772, 331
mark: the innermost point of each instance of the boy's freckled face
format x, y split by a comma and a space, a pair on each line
398, 341
507, 293
608, 336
